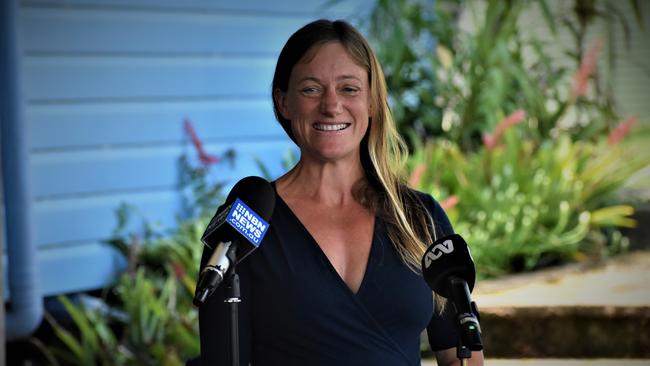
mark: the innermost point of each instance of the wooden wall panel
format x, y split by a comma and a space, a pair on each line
100, 124
107, 86
67, 79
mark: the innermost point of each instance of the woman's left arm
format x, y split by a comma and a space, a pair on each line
442, 325
447, 357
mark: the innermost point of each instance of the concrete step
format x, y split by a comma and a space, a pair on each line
557, 362
587, 310
567, 332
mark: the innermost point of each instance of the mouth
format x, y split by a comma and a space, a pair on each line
329, 127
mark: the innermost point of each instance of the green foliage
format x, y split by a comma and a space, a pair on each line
289, 160
94, 343
445, 80
147, 316
523, 204
150, 319
201, 194
406, 52
540, 192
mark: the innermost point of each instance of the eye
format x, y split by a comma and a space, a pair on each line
310, 90
350, 90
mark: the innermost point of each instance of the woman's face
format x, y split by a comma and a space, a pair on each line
327, 102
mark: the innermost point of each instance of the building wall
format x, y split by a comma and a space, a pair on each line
631, 71
628, 71
108, 84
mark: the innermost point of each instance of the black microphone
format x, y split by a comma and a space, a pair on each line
448, 268
236, 229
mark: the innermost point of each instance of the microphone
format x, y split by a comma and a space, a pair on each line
236, 229
448, 268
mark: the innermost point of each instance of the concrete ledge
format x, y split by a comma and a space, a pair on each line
555, 362
583, 310
566, 331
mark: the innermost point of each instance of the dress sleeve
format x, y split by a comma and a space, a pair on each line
214, 331
440, 220
441, 330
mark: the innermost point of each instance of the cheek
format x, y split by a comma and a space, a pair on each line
366, 128
300, 128
363, 113
300, 109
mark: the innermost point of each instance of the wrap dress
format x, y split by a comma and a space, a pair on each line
297, 310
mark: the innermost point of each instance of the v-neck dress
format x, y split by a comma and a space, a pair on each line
297, 310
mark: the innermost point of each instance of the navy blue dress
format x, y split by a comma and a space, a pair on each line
297, 310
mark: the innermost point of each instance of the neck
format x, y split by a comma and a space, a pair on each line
329, 183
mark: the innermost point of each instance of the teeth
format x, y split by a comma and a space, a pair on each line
328, 127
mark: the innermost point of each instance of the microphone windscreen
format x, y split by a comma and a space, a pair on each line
256, 193
445, 258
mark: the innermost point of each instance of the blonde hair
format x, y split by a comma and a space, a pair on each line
383, 152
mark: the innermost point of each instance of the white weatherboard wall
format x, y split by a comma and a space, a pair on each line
630, 72
108, 84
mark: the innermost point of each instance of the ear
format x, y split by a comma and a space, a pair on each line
280, 101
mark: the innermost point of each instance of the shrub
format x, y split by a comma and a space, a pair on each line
522, 204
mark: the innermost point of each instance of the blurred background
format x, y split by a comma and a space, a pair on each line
125, 123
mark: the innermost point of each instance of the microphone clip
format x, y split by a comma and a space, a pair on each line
467, 318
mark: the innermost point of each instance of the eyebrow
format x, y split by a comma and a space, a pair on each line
342, 77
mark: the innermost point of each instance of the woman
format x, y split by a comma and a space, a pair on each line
336, 280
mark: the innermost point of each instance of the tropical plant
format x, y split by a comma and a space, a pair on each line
147, 316
498, 126
524, 205
201, 193
445, 80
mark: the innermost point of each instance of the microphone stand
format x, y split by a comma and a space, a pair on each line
233, 298
466, 320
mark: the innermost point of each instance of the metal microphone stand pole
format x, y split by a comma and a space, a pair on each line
466, 320
233, 298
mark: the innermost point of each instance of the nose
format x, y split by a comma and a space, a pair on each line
330, 104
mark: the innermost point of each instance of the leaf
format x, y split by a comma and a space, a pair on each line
614, 216
67, 338
638, 13
262, 167
81, 321
549, 18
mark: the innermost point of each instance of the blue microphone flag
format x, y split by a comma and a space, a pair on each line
248, 223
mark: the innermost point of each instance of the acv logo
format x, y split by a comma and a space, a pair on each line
437, 251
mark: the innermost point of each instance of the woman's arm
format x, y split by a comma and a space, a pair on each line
447, 357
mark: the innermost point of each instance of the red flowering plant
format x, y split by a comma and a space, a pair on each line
201, 191
524, 205
529, 159
147, 317
455, 68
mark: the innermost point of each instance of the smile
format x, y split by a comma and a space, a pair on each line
331, 127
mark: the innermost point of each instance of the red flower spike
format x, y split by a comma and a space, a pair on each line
179, 271
416, 175
623, 128
449, 202
490, 141
587, 67
205, 158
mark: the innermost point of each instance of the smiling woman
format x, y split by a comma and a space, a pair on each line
336, 280
327, 102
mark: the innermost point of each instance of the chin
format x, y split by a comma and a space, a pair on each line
335, 155
331, 152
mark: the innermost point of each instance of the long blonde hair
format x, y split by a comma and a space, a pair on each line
383, 152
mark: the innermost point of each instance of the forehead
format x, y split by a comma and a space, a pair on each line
329, 59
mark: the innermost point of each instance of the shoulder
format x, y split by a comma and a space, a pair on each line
441, 222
